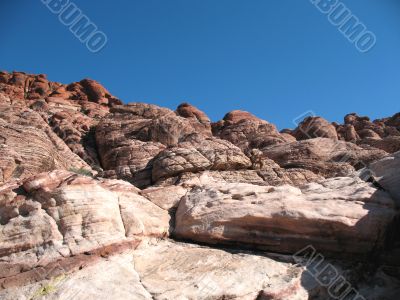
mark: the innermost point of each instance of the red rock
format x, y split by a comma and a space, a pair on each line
247, 131
313, 127
196, 116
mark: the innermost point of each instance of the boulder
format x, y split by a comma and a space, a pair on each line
314, 127
247, 132
197, 117
170, 270
387, 173
339, 216
60, 215
323, 156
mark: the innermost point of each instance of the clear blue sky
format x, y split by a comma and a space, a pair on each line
274, 58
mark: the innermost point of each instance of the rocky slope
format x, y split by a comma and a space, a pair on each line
100, 200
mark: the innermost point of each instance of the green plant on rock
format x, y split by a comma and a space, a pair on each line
81, 171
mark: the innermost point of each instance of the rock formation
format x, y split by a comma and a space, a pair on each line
101, 200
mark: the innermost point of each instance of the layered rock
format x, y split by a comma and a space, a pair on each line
144, 143
237, 182
382, 133
247, 131
71, 110
387, 173
197, 117
323, 156
28, 146
183, 271
314, 127
20, 85
60, 215
110, 277
340, 216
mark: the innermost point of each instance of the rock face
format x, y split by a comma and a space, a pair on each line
91, 190
167, 145
314, 127
60, 214
71, 110
323, 156
29, 146
198, 118
337, 216
115, 273
386, 172
247, 131
183, 271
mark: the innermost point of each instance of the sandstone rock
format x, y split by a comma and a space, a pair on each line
390, 144
184, 271
348, 133
132, 140
198, 118
77, 131
313, 127
165, 197
230, 185
29, 146
386, 172
176, 160
323, 156
132, 135
111, 278
80, 104
339, 216
247, 131
87, 90
62, 214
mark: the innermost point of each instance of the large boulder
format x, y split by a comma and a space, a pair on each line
184, 271
197, 117
313, 127
387, 173
340, 216
57, 216
247, 132
327, 157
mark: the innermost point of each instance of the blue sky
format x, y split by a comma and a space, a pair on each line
274, 58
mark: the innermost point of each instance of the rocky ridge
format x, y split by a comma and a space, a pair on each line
89, 184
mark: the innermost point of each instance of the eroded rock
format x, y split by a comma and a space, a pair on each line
339, 216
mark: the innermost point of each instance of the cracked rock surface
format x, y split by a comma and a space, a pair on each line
105, 200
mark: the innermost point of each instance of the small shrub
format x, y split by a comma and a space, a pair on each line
81, 171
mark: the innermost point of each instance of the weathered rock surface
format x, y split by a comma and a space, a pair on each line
387, 173
323, 156
313, 127
198, 118
247, 131
184, 271
171, 270
71, 110
143, 143
109, 278
341, 216
238, 181
61, 214
28, 146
